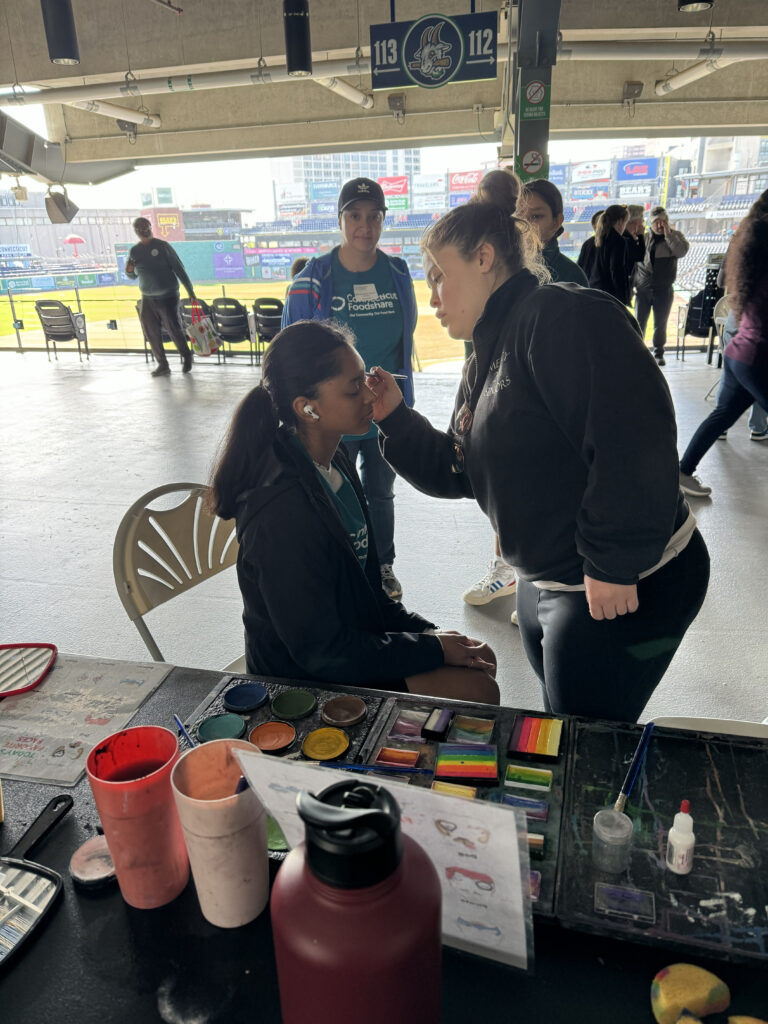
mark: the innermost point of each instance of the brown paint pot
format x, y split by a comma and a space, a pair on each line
344, 711
272, 737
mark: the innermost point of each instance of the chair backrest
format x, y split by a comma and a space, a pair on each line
722, 309
56, 320
160, 553
269, 317
230, 320
186, 306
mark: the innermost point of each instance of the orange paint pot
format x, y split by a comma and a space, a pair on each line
272, 737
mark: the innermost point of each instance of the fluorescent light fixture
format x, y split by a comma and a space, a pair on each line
694, 6
60, 34
298, 45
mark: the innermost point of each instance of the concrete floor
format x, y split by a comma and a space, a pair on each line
81, 442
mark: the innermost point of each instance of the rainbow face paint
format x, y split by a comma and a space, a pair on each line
466, 729
536, 737
467, 762
522, 776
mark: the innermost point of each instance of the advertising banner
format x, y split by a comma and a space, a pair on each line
425, 183
228, 265
323, 208
638, 191
643, 169
293, 192
558, 174
327, 189
582, 192
459, 198
10, 252
591, 170
167, 224
294, 209
464, 181
396, 186
430, 203
397, 203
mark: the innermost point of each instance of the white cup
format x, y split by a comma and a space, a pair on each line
225, 833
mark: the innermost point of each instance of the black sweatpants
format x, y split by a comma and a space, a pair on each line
610, 668
660, 301
155, 314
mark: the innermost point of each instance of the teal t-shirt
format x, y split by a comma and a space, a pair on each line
368, 304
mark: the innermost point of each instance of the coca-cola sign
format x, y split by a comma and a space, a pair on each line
464, 181
394, 186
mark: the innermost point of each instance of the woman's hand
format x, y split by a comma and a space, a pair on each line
388, 394
465, 652
607, 600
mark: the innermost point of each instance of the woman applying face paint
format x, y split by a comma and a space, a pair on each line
564, 433
307, 564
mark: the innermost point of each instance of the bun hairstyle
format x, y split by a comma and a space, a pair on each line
467, 227
298, 359
502, 188
746, 265
611, 215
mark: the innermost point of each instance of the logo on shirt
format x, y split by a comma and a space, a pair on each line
366, 304
154, 252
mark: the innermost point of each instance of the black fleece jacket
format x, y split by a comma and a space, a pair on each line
572, 450
310, 610
612, 267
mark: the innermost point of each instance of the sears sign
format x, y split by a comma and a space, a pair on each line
637, 170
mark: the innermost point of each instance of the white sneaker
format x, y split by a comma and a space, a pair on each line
499, 581
513, 619
691, 485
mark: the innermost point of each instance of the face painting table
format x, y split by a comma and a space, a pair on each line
97, 959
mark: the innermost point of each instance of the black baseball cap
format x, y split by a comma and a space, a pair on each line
361, 188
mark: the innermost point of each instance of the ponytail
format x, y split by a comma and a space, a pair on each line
249, 436
610, 216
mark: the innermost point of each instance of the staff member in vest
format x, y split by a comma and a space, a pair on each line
372, 293
541, 204
655, 276
157, 266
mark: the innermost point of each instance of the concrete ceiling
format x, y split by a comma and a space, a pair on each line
288, 118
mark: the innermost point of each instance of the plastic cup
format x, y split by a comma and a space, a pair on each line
611, 841
130, 777
225, 832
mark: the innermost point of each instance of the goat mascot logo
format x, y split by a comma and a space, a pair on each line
433, 51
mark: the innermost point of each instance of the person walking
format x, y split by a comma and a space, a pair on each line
544, 437
655, 275
158, 268
612, 266
541, 204
586, 257
372, 293
745, 359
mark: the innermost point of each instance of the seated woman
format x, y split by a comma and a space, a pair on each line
307, 566
564, 433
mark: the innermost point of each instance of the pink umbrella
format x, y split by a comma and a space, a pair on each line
74, 240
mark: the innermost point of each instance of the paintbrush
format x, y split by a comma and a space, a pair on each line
634, 768
183, 731
387, 769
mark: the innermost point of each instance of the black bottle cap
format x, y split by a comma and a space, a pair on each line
352, 834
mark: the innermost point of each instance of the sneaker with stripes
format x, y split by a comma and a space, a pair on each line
499, 581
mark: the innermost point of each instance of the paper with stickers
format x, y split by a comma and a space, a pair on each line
479, 849
47, 733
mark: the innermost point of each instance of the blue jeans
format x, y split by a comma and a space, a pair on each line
758, 417
377, 479
740, 386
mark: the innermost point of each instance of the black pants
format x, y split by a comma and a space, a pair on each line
660, 301
609, 669
155, 314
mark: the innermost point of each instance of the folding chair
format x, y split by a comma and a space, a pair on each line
60, 324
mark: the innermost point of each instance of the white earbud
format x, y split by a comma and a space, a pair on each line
311, 412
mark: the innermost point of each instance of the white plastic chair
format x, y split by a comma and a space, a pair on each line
161, 553
726, 726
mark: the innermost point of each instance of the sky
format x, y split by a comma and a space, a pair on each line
248, 184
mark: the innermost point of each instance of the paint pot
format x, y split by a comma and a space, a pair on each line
356, 915
245, 697
221, 727
272, 737
344, 711
611, 841
91, 865
294, 704
130, 777
325, 744
225, 832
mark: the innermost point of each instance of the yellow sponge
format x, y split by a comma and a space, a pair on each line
746, 1020
683, 987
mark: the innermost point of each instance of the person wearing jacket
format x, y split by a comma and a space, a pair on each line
633, 233
612, 265
544, 436
372, 293
307, 562
655, 276
541, 204
586, 257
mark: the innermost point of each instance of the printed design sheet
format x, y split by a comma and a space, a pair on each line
479, 850
47, 733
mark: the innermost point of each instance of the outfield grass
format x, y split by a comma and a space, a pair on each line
119, 303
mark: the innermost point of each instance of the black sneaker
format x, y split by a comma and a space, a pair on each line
188, 360
161, 371
660, 360
390, 582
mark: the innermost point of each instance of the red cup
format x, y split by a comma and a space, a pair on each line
130, 777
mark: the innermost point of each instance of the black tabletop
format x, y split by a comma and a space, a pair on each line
97, 959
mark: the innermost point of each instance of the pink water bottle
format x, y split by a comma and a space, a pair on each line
356, 915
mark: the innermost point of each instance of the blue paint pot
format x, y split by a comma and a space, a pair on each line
245, 697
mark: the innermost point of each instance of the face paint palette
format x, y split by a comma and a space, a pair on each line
455, 789
437, 725
522, 776
408, 725
535, 737
397, 758
535, 810
466, 729
467, 762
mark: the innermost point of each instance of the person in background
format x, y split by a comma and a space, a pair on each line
655, 275
158, 268
586, 257
633, 233
745, 359
502, 188
544, 436
307, 562
372, 293
298, 265
611, 268
541, 204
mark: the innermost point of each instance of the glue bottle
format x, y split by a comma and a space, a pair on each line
356, 915
681, 841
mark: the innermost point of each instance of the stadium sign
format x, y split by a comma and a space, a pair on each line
591, 170
428, 183
464, 181
328, 189
637, 170
397, 186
